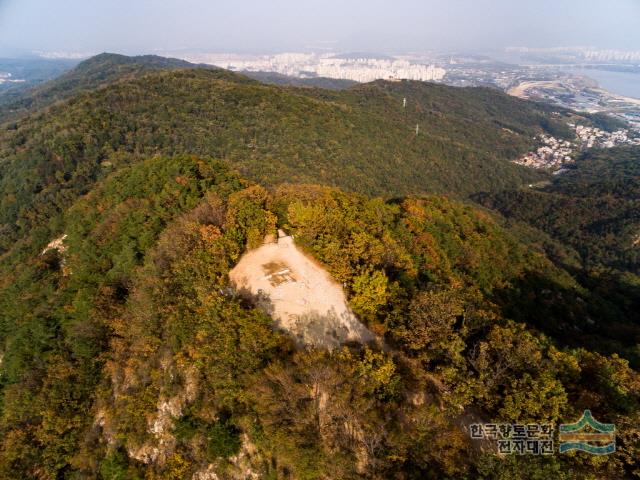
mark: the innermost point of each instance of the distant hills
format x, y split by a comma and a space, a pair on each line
90, 74
112, 110
276, 78
30, 72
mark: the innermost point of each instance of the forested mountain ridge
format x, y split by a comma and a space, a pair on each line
360, 139
319, 82
89, 74
132, 314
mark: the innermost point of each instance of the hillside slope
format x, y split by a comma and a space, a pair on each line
280, 79
127, 354
594, 207
90, 74
360, 139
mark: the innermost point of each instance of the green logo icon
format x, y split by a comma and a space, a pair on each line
588, 435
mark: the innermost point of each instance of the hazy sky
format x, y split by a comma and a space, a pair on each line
139, 26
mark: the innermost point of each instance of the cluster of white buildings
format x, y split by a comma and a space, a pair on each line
554, 153
591, 137
367, 70
551, 155
611, 55
305, 65
582, 53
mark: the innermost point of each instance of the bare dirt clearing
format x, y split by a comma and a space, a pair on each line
299, 294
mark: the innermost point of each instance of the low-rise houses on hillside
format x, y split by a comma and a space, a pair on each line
554, 153
551, 155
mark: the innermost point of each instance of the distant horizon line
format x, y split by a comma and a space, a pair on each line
83, 55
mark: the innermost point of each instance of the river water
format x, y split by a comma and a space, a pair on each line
622, 83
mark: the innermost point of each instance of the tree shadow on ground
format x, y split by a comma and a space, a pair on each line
317, 329
605, 317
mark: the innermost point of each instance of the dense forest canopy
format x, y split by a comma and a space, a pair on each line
361, 139
594, 207
90, 74
127, 354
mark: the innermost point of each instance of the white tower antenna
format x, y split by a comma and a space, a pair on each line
417, 128
404, 103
